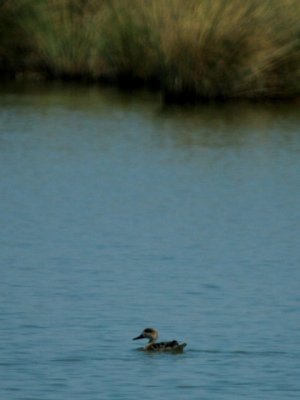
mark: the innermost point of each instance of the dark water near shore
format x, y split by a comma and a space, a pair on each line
118, 214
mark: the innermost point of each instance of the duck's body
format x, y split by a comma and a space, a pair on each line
173, 346
152, 335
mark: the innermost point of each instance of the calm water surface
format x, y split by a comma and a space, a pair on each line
118, 214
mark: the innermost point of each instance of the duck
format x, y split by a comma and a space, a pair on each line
153, 346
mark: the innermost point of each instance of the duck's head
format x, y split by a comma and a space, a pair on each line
148, 333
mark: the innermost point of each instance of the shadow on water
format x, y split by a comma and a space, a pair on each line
231, 124
75, 97
206, 125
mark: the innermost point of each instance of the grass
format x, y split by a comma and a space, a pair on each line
189, 49
64, 38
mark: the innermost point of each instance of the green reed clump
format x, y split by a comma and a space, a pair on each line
190, 49
130, 47
55, 38
65, 37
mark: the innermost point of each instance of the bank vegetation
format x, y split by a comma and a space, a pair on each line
188, 49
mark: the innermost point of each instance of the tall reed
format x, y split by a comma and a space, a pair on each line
206, 49
233, 48
131, 41
190, 49
65, 37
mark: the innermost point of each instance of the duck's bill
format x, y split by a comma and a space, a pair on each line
141, 336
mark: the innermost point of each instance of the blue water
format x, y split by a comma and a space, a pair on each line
118, 214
